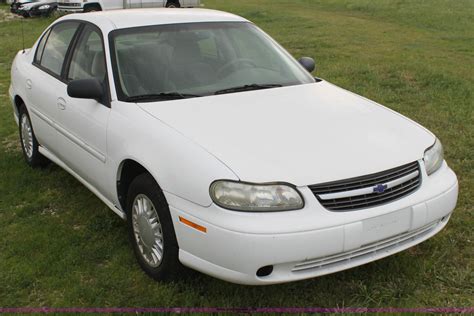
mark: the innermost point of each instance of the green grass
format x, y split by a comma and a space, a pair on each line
60, 246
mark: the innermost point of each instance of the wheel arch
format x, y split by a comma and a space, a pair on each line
128, 170
175, 2
92, 5
18, 101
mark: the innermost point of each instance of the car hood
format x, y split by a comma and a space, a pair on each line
305, 134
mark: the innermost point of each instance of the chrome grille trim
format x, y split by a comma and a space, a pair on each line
373, 248
67, 4
367, 190
357, 193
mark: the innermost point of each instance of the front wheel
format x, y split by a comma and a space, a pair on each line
150, 228
52, 13
29, 143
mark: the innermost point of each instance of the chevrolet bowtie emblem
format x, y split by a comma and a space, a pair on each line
380, 188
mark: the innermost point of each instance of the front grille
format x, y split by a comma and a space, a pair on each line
366, 251
66, 4
369, 191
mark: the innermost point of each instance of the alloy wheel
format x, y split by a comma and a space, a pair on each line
147, 230
27, 136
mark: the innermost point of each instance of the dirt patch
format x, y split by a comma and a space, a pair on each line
2, 88
77, 227
51, 211
6, 16
11, 144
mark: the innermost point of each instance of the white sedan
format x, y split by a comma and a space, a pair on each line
222, 151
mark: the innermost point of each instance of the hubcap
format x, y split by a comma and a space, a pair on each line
27, 136
147, 230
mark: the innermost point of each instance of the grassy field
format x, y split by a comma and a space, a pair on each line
60, 246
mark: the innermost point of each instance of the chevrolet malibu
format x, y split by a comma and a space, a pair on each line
221, 150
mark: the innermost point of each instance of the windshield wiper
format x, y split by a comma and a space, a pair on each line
248, 87
160, 97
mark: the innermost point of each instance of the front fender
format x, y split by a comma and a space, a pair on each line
179, 165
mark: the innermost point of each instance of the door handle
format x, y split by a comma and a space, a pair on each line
29, 84
61, 104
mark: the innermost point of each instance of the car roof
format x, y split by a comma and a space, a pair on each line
119, 19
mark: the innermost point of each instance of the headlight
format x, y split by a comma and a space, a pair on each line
44, 7
241, 196
434, 157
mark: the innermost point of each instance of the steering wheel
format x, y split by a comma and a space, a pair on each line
235, 62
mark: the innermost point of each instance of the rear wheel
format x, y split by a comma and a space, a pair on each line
173, 4
29, 143
92, 8
150, 228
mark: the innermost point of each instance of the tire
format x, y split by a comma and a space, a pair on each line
28, 141
173, 4
56, 14
51, 13
146, 245
92, 8
26, 15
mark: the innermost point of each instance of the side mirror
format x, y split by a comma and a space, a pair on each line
86, 89
308, 63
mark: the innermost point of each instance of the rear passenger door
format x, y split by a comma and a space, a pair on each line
145, 3
44, 82
83, 122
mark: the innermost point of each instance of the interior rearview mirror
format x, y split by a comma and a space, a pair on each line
86, 89
308, 63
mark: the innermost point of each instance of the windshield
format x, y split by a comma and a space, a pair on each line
199, 59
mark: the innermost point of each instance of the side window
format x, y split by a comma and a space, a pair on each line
40, 49
88, 59
56, 46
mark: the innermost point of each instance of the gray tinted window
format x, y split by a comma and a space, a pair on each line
200, 59
57, 45
88, 59
40, 49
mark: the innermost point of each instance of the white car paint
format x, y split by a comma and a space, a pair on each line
319, 110
314, 133
75, 6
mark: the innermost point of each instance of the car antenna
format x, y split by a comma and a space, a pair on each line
23, 35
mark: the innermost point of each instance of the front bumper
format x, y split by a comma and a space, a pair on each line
38, 12
310, 242
34, 12
14, 8
21, 12
65, 10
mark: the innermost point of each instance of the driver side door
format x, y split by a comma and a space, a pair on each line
83, 122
